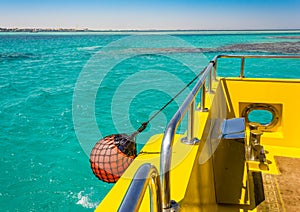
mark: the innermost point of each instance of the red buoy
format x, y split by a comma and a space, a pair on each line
111, 156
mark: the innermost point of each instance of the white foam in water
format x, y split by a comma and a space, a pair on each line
89, 48
85, 201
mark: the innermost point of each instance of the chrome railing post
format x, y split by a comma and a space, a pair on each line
210, 82
242, 72
165, 165
146, 175
190, 129
202, 98
190, 137
215, 70
155, 191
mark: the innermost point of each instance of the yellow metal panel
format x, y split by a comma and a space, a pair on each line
285, 92
200, 192
230, 172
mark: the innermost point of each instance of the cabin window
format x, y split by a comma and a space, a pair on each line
265, 114
263, 117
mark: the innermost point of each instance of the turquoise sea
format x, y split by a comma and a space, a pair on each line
48, 79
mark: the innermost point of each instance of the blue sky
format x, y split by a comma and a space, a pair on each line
151, 14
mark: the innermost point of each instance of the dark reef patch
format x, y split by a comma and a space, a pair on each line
278, 47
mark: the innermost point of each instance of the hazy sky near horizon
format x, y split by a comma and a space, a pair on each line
151, 14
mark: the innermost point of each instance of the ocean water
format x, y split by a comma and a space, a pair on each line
61, 92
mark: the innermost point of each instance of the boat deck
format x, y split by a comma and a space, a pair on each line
282, 192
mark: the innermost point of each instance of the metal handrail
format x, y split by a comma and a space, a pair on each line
243, 57
166, 148
146, 175
188, 104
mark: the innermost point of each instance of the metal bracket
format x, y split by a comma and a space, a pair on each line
203, 110
190, 142
174, 206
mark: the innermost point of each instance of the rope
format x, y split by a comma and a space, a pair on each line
144, 152
144, 124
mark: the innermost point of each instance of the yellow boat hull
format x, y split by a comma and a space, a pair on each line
216, 174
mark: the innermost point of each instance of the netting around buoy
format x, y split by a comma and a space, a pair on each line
111, 156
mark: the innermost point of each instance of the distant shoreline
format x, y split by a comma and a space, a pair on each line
36, 30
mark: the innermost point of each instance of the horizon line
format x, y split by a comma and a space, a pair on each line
140, 30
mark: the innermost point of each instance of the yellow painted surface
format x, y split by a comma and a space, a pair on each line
192, 174
284, 139
200, 193
285, 92
271, 152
